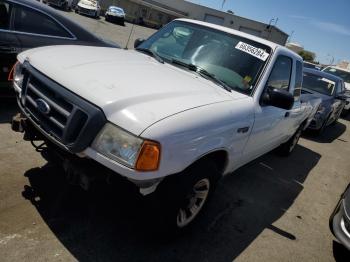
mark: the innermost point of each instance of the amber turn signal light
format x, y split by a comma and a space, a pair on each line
10, 75
148, 159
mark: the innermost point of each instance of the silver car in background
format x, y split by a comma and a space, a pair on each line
115, 14
339, 221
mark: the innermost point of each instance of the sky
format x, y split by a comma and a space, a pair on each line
321, 26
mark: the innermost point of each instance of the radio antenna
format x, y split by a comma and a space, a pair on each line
131, 31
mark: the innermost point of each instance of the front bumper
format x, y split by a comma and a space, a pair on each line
86, 11
116, 19
340, 224
115, 16
80, 168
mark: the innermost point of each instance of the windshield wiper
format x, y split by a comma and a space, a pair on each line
151, 53
202, 72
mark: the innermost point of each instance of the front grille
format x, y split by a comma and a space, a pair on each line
67, 118
86, 11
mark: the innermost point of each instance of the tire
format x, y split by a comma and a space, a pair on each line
324, 125
106, 18
183, 197
345, 112
287, 148
334, 121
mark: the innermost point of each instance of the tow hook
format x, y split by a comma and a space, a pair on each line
18, 123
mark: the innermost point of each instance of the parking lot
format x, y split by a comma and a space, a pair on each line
116, 33
274, 209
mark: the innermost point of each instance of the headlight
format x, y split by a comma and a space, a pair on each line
18, 74
126, 148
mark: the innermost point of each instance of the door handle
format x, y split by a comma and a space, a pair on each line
287, 114
243, 129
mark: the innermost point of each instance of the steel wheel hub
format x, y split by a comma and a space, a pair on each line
195, 202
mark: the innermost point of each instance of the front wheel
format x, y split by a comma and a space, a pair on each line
287, 148
324, 125
345, 112
183, 197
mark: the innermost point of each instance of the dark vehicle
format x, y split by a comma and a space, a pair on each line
26, 24
331, 90
115, 14
339, 221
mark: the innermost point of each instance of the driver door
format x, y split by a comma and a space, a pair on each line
271, 123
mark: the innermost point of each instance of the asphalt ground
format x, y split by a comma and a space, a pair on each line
273, 209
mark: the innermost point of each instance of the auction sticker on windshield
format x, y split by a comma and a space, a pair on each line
252, 50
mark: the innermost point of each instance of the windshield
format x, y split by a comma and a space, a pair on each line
116, 9
89, 2
318, 84
234, 60
340, 73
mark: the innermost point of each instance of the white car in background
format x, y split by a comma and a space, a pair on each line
89, 7
345, 75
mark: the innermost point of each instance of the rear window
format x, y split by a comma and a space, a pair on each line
5, 12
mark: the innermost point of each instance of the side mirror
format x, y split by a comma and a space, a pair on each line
138, 42
278, 98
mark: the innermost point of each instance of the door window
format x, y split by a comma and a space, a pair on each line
4, 15
340, 87
298, 80
281, 73
31, 21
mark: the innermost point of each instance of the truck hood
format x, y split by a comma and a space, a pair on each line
133, 89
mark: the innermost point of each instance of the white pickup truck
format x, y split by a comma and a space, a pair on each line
190, 104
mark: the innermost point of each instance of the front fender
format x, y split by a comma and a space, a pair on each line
190, 135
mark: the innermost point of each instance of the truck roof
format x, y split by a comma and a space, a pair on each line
273, 45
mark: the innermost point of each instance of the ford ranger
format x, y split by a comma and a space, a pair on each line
190, 104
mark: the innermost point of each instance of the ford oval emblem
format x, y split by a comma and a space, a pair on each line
43, 106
